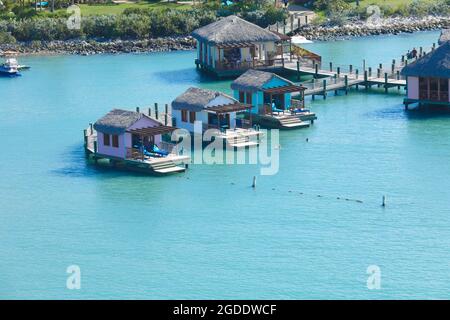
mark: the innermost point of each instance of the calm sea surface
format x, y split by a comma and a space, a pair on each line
206, 233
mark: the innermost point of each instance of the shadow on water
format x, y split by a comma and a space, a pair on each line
428, 112
77, 165
184, 76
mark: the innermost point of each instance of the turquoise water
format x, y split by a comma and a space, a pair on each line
206, 233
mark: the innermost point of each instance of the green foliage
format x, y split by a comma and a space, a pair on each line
6, 38
26, 24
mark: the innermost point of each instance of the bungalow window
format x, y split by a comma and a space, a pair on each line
115, 140
184, 115
191, 116
106, 139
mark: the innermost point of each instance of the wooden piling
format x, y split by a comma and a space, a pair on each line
331, 66
149, 112
366, 84
166, 114
298, 70
317, 70
137, 109
156, 111
346, 84
385, 82
324, 88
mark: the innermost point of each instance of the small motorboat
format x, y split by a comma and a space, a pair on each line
9, 68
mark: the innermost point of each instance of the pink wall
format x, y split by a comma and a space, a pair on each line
119, 152
124, 139
413, 87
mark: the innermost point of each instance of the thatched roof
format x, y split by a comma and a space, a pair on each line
434, 64
445, 36
196, 99
254, 80
117, 121
233, 29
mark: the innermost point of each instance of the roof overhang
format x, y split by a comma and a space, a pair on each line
284, 89
152, 131
235, 45
228, 108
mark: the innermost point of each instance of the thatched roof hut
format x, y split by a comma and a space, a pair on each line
196, 99
254, 80
434, 64
117, 121
233, 29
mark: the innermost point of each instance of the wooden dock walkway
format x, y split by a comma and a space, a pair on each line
343, 77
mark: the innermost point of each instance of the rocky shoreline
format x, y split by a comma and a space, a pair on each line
91, 47
311, 32
383, 26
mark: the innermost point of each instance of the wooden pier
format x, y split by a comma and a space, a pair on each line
330, 77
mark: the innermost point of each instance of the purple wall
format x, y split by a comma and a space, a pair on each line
413, 87
125, 139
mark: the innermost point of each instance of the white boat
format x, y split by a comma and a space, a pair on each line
10, 67
300, 40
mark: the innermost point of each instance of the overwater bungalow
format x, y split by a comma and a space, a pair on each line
231, 45
133, 140
428, 78
271, 99
215, 110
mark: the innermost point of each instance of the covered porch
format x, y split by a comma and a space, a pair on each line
278, 101
146, 145
244, 55
235, 124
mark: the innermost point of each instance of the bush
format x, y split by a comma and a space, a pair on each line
6, 38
